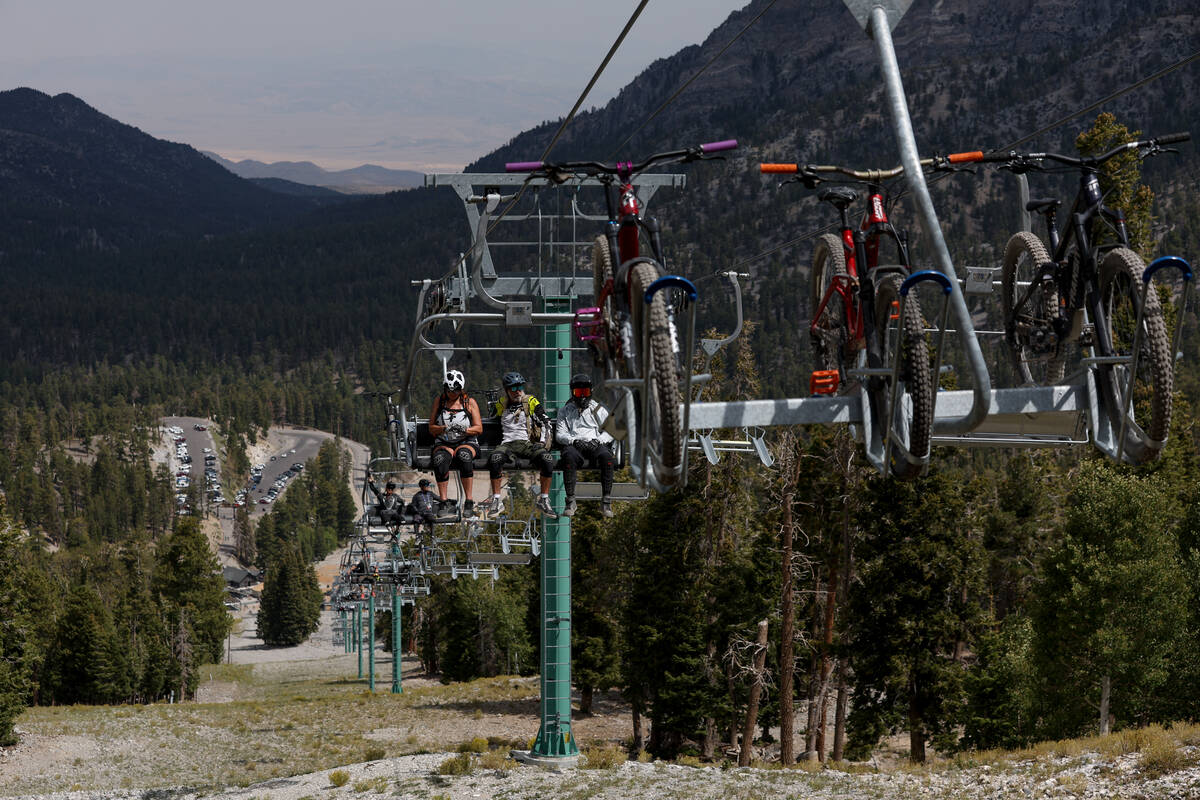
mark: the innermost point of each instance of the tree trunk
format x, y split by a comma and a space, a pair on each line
731, 687
639, 739
839, 717
585, 700
1105, 692
787, 711
708, 748
916, 728
814, 685
760, 659
826, 662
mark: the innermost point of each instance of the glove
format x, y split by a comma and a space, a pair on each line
585, 446
455, 431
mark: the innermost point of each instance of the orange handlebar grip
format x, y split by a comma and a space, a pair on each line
959, 158
778, 168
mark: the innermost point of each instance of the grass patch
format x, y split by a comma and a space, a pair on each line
496, 760
461, 764
374, 754
377, 785
608, 756
476, 745
1162, 757
339, 777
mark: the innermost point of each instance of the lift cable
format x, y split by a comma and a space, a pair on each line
689, 81
1164, 71
612, 51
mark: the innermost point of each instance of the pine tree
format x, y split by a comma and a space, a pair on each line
187, 576
290, 609
1110, 611
917, 567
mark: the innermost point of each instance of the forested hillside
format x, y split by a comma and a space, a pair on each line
983, 606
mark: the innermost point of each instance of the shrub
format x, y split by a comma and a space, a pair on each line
497, 760
339, 777
603, 757
461, 764
476, 745
374, 754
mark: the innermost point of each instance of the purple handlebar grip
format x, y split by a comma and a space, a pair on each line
712, 147
523, 166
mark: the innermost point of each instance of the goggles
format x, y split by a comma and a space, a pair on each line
582, 391
515, 388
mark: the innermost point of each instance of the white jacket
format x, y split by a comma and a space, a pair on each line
575, 423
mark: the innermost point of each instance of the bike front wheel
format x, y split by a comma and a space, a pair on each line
1120, 293
828, 331
1038, 356
663, 425
914, 398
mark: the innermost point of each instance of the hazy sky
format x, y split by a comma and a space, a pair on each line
409, 84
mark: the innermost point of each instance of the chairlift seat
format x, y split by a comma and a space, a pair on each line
420, 443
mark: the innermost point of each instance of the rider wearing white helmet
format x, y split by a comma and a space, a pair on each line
455, 424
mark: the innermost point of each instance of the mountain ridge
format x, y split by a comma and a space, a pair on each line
364, 179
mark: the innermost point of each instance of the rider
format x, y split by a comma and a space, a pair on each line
523, 423
389, 504
424, 503
455, 424
579, 433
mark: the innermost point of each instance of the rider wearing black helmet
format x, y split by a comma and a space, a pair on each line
523, 425
579, 432
389, 505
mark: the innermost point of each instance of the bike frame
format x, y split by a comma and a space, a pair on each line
861, 246
1085, 211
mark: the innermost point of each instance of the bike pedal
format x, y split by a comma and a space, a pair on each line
823, 381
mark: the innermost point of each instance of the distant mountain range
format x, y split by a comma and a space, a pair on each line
367, 179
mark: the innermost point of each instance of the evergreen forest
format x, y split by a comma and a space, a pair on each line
1008, 596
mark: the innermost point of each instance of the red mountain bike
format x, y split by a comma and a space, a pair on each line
865, 322
632, 329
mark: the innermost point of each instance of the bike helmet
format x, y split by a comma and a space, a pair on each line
512, 380
581, 386
454, 381
390, 485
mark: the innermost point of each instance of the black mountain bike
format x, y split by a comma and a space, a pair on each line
1088, 289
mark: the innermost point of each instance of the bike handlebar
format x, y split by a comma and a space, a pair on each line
1027, 161
811, 171
623, 167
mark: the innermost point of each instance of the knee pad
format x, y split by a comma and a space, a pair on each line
547, 463
440, 464
496, 463
465, 462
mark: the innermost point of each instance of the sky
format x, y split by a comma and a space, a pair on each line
428, 85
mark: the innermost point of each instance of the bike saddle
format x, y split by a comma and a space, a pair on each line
839, 197
1042, 205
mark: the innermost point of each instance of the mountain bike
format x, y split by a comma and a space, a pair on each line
1086, 290
863, 326
632, 331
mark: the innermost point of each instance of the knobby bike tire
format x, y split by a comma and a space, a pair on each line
915, 381
1120, 288
664, 423
829, 334
1022, 256
602, 275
